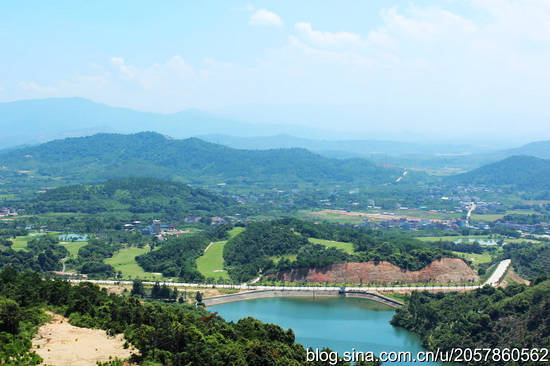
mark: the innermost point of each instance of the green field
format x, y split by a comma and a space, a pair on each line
346, 247
487, 217
476, 259
453, 238
210, 264
277, 258
73, 246
20, 242
125, 262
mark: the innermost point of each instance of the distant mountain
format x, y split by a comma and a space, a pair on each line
538, 149
40, 120
107, 156
520, 172
343, 148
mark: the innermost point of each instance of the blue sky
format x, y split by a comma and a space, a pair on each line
469, 69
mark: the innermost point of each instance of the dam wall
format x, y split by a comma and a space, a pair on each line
260, 294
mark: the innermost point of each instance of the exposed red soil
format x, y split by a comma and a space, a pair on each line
445, 270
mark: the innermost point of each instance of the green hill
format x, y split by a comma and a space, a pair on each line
134, 195
106, 156
519, 172
513, 317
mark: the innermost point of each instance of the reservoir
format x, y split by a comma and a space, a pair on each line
339, 323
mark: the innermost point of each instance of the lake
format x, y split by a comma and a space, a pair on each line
341, 324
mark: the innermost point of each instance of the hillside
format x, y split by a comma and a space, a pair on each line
512, 317
107, 156
135, 195
520, 172
538, 149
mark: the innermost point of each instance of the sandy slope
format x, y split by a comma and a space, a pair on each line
61, 344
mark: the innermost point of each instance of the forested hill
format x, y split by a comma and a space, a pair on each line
489, 318
106, 156
136, 195
520, 172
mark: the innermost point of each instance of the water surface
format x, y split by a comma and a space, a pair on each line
341, 324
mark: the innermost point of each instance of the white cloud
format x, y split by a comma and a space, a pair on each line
264, 17
120, 64
323, 38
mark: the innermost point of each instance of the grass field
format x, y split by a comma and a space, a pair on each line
346, 247
476, 259
73, 246
20, 242
125, 262
277, 258
210, 264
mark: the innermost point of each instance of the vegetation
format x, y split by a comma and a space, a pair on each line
147, 154
136, 196
256, 248
512, 317
520, 172
166, 334
124, 263
42, 254
530, 261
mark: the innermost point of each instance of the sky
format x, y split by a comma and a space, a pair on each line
411, 70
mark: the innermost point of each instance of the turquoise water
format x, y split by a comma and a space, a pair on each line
341, 324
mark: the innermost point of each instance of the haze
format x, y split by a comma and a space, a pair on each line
473, 71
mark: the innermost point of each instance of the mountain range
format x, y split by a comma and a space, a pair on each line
93, 159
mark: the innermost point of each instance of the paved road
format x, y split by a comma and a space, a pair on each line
469, 215
499, 272
493, 280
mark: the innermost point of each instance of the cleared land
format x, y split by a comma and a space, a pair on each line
125, 261
210, 264
62, 344
351, 217
346, 247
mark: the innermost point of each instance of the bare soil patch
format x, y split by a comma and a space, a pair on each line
62, 344
444, 270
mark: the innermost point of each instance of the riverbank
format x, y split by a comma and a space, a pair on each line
260, 294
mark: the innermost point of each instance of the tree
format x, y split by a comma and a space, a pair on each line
10, 315
137, 288
198, 297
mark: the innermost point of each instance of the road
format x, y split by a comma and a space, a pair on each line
493, 280
401, 177
469, 215
499, 272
